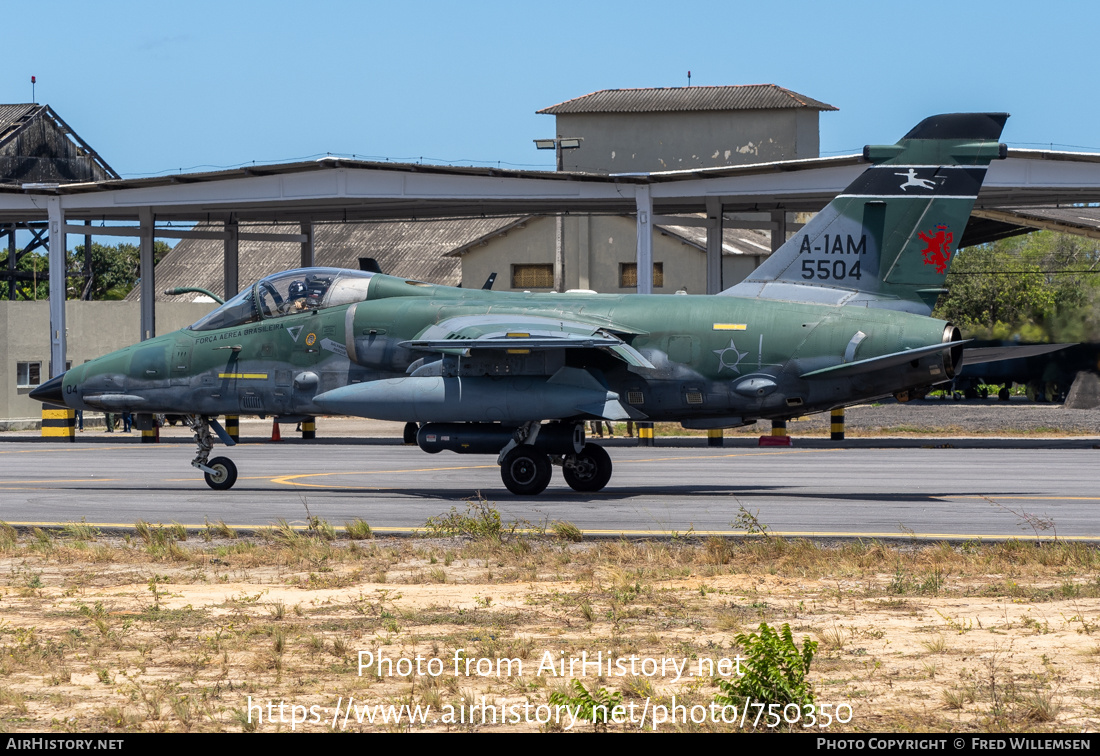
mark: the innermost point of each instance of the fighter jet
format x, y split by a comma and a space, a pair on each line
838, 315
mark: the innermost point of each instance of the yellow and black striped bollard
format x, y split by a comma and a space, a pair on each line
837, 431
779, 428
58, 423
645, 434
714, 437
309, 428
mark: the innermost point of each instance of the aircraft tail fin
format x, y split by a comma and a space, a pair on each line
888, 240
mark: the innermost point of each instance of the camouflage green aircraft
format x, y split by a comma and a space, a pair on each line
838, 315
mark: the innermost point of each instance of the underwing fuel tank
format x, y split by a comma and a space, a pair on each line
490, 438
468, 399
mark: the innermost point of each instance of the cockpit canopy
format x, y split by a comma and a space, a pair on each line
288, 293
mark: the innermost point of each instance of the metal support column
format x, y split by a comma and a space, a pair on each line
583, 252
11, 263
57, 285
559, 252
148, 275
779, 232
308, 256
644, 202
86, 289
714, 245
232, 243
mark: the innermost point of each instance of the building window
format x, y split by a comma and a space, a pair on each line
628, 275
28, 374
533, 276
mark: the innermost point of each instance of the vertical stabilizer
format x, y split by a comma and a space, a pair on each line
888, 240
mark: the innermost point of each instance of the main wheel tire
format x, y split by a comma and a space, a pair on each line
525, 471
588, 471
226, 474
409, 435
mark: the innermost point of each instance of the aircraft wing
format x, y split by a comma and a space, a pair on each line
521, 333
978, 355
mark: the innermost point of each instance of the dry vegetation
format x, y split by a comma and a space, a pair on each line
167, 630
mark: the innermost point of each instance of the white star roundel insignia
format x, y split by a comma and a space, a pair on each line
730, 358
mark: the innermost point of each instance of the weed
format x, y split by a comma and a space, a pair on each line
567, 531
959, 626
481, 520
773, 671
587, 612
80, 531
8, 536
358, 530
220, 530
590, 707
749, 522
1024, 519
936, 645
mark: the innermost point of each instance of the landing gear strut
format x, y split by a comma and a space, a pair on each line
220, 472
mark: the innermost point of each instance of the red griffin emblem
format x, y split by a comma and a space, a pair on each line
938, 251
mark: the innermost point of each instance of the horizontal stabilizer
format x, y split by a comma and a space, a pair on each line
880, 363
979, 355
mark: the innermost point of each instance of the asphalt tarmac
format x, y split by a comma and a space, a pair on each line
1017, 488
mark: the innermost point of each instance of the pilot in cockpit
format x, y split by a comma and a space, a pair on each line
296, 297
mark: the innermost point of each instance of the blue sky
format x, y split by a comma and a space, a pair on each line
156, 87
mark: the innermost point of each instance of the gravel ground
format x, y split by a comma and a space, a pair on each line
967, 418
990, 417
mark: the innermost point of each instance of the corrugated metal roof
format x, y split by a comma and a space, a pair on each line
674, 99
13, 116
409, 249
735, 241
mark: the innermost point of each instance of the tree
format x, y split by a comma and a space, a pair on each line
1042, 286
115, 270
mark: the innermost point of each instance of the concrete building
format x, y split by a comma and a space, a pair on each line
93, 329
678, 128
600, 255
642, 131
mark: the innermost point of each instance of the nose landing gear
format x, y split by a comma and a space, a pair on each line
220, 473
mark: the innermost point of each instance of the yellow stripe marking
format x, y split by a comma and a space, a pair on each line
730, 326
244, 376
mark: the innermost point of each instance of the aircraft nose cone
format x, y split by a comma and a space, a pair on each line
51, 392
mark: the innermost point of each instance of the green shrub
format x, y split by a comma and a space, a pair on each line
589, 707
773, 670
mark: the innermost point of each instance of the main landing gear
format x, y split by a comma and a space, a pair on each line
220, 472
526, 470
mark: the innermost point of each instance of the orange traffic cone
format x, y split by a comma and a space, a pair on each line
275, 431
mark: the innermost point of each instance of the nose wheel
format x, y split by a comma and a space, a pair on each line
220, 472
224, 475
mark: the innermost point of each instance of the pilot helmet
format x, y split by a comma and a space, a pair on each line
297, 289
